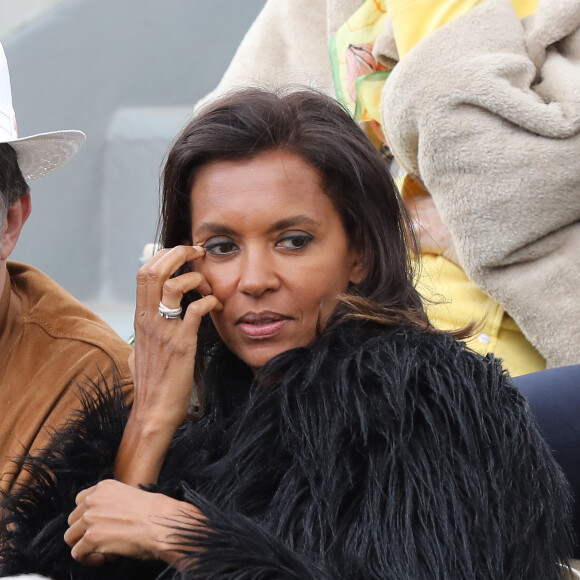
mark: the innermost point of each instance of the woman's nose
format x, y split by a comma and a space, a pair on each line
258, 273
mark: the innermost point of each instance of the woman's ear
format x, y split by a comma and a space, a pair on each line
359, 270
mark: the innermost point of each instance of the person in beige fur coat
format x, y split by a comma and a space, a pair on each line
486, 110
492, 132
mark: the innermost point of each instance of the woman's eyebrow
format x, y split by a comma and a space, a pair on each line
292, 222
214, 228
283, 224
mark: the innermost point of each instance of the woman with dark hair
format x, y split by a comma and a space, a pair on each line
336, 435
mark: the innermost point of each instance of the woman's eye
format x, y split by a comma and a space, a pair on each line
294, 242
220, 246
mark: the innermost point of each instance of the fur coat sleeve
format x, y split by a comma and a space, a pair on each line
372, 454
35, 515
486, 111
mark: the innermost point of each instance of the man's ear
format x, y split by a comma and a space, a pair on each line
359, 270
15, 220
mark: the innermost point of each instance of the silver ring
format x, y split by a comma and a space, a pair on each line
169, 313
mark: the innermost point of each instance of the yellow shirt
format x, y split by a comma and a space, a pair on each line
452, 301
409, 29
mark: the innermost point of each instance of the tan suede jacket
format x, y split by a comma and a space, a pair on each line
49, 343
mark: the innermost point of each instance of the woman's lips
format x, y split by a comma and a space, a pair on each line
262, 325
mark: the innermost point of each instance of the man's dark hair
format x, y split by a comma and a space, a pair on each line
12, 182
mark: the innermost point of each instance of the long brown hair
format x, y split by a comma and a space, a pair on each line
246, 123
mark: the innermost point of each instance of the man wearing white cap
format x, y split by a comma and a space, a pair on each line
47, 338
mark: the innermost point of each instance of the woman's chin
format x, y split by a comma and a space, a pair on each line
258, 355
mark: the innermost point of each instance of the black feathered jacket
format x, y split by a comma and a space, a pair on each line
377, 453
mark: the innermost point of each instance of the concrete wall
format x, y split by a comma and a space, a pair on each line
127, 72
16, 14
136, 144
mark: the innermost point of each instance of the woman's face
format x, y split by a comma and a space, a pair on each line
277, 255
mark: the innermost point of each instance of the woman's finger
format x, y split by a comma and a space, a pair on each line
81, 496
92, 559
86, 555
157, 256
166, 262
198, 309
75, 532
160, 268
75, 515
79, 510
175, 288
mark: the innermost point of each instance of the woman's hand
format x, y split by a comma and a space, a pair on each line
113, 519
164, 361
165, 348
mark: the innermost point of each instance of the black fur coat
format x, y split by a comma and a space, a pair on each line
376, 454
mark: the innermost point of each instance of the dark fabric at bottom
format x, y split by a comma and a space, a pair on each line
554, 398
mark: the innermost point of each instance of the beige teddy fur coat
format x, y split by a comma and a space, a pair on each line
486, 111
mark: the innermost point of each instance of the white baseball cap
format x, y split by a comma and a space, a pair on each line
38, 155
